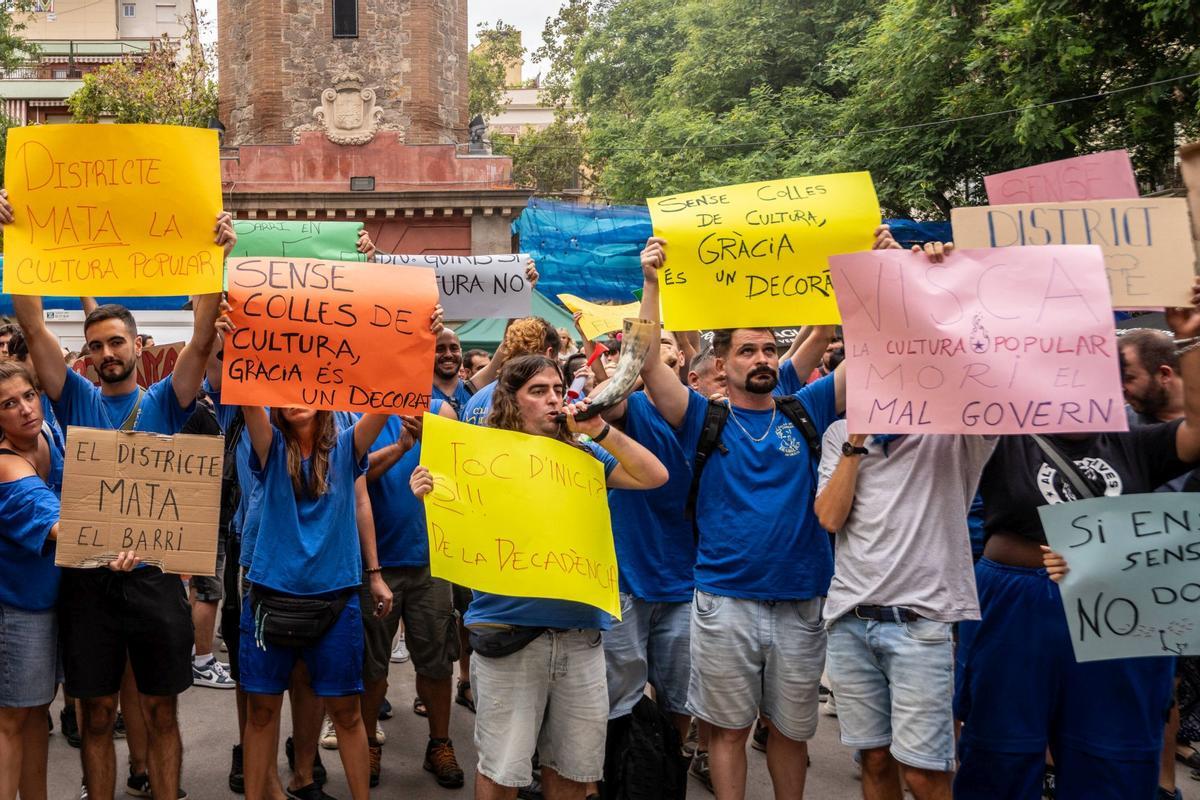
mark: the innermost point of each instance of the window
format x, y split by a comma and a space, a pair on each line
128, 9
345, 19
60, 74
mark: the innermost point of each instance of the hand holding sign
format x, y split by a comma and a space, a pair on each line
993, 341
113, 210
1131, 589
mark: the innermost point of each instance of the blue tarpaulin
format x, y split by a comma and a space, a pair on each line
592, 250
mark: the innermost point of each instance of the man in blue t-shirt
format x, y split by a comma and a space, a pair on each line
763, 562
107, 618
447, 362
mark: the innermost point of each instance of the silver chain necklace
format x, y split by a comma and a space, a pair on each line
766, 433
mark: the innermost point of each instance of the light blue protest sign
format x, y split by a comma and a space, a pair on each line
1133, 588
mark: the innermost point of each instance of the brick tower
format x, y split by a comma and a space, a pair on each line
357, 110
277, 57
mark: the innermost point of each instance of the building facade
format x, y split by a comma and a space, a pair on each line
75, 37
357, 110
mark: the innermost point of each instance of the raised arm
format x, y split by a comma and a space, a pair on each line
637, 467
662, 383
43, 345
835, 500
1185, 322
383, 459
193, 361
810, 344
88, 304
366, 431
260, 431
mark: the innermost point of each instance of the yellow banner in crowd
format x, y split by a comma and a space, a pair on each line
597, 319
112, 210
481, 532
755, 254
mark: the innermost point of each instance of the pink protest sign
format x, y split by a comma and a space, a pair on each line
1099, 176
998, 341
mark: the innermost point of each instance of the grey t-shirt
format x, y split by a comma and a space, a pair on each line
906, 542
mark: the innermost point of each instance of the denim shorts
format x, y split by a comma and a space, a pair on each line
334, 663
29, 670
549, 696
894, 685
649, 645
757, 655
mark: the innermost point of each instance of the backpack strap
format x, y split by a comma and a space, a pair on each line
793, 408
131, 420
715, 417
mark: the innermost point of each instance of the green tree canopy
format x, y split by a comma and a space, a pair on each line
677, 95
499, 46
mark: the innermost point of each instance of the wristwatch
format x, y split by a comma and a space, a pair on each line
850, 450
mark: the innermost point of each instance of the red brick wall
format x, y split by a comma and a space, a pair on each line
277, 56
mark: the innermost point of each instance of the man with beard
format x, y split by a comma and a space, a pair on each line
448, 360
1150, 377
763, 563
143, 615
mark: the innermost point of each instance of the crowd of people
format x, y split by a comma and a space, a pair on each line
768, 558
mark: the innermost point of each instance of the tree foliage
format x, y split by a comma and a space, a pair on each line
682, 94
171, 85
499, 46
548, 160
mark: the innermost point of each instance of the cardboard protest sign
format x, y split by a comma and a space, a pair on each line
481, 531
1098, 176
334, 241
755, 254
329, 335
1147, 243
1016, 340
599, 320
1132, 589
473, 287
112, 210
159, 496
156, 363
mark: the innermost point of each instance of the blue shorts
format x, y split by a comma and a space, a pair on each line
894, 683
1020, 691
649, 645
29, 671
334, 663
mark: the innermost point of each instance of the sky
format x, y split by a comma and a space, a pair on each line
529, 16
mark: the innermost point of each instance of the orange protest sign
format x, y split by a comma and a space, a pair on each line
332, 335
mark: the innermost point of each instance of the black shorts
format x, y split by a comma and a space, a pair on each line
105, 615
231, 609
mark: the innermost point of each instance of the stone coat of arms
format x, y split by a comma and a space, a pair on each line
348, 113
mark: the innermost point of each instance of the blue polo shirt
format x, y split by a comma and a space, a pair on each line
538, 612
656, 546
308, 546
401, 538
29, 508
759, 538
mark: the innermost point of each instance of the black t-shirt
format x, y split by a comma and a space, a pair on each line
1018, 478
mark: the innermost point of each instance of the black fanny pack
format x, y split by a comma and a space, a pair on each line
496, 641
288, 621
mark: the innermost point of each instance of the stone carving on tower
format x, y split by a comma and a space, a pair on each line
348, 114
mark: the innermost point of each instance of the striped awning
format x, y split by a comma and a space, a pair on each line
17, 111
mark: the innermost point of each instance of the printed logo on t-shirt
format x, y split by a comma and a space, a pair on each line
1096, 470
789, 445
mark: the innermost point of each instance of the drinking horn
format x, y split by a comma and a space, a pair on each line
639, 339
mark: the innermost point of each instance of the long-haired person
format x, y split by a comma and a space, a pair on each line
550, 693
30, 480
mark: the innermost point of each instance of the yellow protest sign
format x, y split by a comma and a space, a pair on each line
481, 531
755, 254
112, 210
598, 320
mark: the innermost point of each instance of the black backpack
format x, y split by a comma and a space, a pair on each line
710, 440
643, 758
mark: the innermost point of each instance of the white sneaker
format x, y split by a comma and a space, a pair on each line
380, 736
214, 675
328, 735
400, 654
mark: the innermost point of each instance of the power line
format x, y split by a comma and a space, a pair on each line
872, 131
